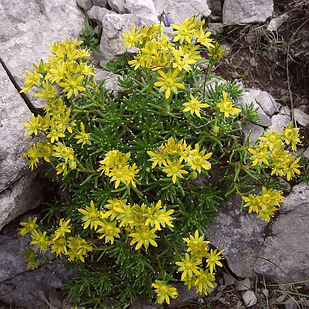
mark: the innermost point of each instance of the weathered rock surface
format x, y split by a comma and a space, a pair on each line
30, 29
250, 11
19, 286
20, 189
278, 250
284, 253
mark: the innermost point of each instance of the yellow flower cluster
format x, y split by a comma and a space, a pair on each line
141, 222
168, 58
264, 204
191, 265
171, 155
271, 151
76, 248
64, 70
115, 165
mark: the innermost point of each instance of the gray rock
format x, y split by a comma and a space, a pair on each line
243, 285
100, 3
275, 23
278, 249
98, 13
267, 102
111, 79
238, 11
285, 110
284, 254
301, 117
141, 8
249, 299
26, 193
14, 140
19, 285
85, 4
37, 24
240, 234
114, 25
247, 99
252, 130
179, 10
278, 122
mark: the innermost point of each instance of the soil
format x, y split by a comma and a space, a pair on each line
274, 61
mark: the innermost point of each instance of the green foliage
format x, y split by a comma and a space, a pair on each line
146, 167
90, 35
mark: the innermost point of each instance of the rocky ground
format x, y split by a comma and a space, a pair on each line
277, 62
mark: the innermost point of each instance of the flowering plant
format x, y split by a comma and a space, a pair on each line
137, 165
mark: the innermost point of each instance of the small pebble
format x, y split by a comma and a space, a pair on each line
243, 285
249, 299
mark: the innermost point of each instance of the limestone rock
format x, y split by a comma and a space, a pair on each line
14, 140
250, 11
37, 24
301, 117
278, 122
252, 130
240, 234
247, 99
267, 102
85, 4
284, 254
114, 25
249, 299
141, 8
100, 3
111, 79
275, 23
19, 285
179, 10
97, 13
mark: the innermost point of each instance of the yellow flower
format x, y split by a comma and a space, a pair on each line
226, 106
194, 106
115, 207
182, 60
78, 248
109, 231
203, 38
83, 137
292, 169
169, 82
64, 227
184, 31
131, 38
164, 291
32, 156
174, 169
197, 246
198, 159
72, 84
260, 155
59, 246
157, 216
253, 202
33, 126
271, 139
40, 240
213, 259
291, 135
91, 216
158, 156
203, 282
31, 80
188, 267
143, 237
61, 151
28, 227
